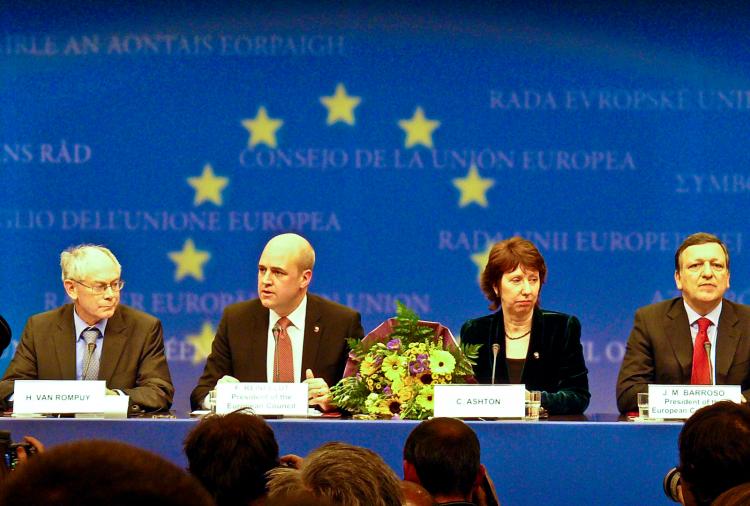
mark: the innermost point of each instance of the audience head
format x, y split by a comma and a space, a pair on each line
415, 494
735, 496
442, 454
714, 451
94, 472
341, 474
231, 454
505, 258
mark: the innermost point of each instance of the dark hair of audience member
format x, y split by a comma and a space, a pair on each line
97, 472
715, 450
231, 454
735, 496
445, 454
341, 474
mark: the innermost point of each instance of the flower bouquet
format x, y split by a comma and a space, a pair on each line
391, 372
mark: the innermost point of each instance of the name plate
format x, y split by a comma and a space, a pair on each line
58, 396
678, 402
480, 401
286, 399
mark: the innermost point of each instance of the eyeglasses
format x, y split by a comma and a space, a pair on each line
100, 288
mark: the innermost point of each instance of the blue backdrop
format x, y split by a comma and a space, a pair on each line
401, 140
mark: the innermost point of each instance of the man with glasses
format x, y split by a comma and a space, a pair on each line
699, 338
94, 337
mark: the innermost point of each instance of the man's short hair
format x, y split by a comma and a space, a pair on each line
231, 454
715, 450
342, 474
445, 454
96, 472
695, 240
73, 260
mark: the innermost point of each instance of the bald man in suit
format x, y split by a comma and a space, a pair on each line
245, 345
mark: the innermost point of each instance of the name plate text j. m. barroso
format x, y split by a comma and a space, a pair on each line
678, 402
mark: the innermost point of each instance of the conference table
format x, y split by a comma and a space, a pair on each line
587, 460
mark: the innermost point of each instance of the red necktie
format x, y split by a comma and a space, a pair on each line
283, 361
701, 374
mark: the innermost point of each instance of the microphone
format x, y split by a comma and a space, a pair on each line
707, 346
5, 334
495, 349
276, 330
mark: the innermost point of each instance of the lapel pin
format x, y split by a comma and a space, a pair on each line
536, 355
316, 329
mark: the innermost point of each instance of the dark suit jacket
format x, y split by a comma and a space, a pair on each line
660, 350
240, 346
554, 362
132, 358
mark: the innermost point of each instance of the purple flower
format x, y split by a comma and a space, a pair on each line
387, 391
416, 367
393, 344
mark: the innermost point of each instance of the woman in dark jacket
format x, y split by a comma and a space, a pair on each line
523, 343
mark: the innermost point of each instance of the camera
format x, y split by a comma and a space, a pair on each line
672, 484
8, 450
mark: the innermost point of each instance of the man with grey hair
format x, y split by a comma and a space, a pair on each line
94, 337
286, 334
340, 474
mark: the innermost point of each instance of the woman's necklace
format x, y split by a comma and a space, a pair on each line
517, 337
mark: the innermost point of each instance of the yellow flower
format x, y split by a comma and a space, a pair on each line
393, 367
424, 399
369, 365
442, 362
405, 393
397, 384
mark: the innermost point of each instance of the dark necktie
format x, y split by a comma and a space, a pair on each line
283, 370
90, 362
701, 373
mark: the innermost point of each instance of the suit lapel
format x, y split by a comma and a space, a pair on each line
314, 333
677, 328
727, 339
64, 342
497, 335
257, 347
536, 340
115, 338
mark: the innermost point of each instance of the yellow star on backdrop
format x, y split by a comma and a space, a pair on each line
340, 106
480, 259
262, 129
418, 129
202, 342
189, 261
208, 186
473, 187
